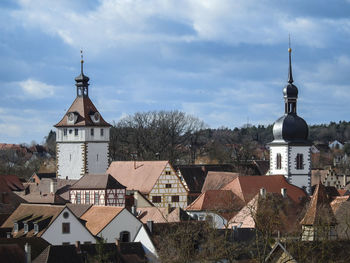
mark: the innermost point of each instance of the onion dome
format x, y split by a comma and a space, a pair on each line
290, 127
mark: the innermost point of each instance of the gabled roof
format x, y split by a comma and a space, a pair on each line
137, 175
78, 209
84, 107
246, 187
216, 180
97, 181
319, 209
98, 217
161, 214
33, 211
194, 177
13, 182
222, 202
12, 253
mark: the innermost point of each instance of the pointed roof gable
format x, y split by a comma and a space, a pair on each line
84, 107
137, 175
319, 209
97, 181
98, 217
246, 187
216, 180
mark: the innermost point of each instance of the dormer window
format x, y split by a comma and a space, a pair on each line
36, 228
15, 227
26, 228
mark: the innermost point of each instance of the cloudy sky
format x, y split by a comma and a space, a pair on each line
222, 61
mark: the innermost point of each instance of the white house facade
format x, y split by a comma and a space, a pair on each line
82, 136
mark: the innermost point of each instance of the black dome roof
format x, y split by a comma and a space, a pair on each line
290, 128
290, 91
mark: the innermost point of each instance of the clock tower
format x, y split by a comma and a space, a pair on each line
82, 136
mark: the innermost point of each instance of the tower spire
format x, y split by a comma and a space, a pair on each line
81, 61
290, 75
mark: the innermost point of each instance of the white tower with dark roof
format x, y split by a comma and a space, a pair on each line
290, 153
82, 136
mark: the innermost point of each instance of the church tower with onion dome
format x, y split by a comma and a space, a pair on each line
290, 150
82, 136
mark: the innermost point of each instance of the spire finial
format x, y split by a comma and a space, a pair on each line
82, 60
290, 75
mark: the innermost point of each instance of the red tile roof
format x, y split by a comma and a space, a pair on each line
246, 187
216, 180
97, 181
13, 182
319, 209
139, 175
84, 107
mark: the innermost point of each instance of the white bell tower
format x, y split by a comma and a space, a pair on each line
82, 136
290, 151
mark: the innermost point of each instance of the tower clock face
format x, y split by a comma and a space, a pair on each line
96, 117
71, 117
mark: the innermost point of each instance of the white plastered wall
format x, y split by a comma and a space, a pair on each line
283, 150
97, 157
124, 221
143, 237
70, 161
78, 232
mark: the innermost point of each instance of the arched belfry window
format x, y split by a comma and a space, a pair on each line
300, 161
278, 161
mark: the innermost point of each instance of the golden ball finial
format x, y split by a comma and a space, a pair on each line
289, 50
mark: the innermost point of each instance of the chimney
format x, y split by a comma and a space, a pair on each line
28, 252
53, 186
133, 210
77, 247
284, 192
262, 192
150, 225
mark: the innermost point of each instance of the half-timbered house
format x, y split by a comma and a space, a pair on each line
98, 189
156, 180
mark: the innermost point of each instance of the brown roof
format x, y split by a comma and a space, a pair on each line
246, 187
319, 209
97, 181
12, 253
40, 198
95, 222
33, 211
151, 213
13, 182
139, 175
84, 107
78, 209
216, 180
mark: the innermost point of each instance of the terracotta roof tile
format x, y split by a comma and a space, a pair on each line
97, 181
83, 106
95, 222
319, 209
139, 175
246, 187
151, 213
216, 180
13, 182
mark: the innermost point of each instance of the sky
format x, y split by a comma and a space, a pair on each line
223, 61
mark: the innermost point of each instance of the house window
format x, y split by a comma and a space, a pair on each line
26, 228
65, 228
300, 161
124, 236
65, 215
167, 185
92, 132
156, 199
87, 197
76, 132
78, 198
65, 132
15, 227
278, 161
97, 157
96, 199
168, 172
175, 198
36, 229
70, 131
101, 132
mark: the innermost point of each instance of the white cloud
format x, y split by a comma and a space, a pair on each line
123, 22
37, 89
